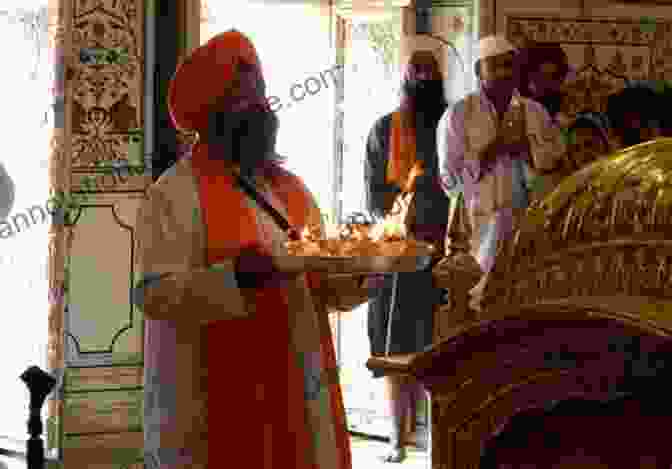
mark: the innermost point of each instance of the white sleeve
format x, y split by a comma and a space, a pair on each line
169, 289
451, 149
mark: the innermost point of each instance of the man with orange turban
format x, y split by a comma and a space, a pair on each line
239, 360
398, 144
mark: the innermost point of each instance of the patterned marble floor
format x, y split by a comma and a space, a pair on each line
365, 454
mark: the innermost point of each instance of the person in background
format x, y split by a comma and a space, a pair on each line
588, 140
396, 143
543, 69
665, 95
489, 144
635, 114
240, 369
7, 191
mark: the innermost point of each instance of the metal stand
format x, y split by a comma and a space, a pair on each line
429, 429
393, 301
40, 384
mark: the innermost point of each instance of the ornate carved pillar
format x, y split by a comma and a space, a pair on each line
487, 16
59, 169
98, 50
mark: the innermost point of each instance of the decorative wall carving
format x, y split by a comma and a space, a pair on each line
107, 99
638, 268
604, 52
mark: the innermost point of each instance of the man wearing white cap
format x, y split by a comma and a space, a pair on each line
489, 144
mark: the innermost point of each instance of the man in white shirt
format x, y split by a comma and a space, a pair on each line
490, 143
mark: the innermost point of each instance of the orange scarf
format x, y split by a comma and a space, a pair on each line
402, 155
253, 354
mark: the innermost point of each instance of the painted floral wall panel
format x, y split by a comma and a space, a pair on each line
107, 47
102, 85
604, 53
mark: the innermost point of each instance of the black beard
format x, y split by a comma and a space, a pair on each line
247, 138
631, 137
552, 103
428, 99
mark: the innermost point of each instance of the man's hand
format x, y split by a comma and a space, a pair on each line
502, 144
512, 130
376, 281
417, 171
255, 270
510, 138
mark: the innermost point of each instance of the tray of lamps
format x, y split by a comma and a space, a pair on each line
355, 248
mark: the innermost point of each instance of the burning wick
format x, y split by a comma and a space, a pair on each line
388, 228
332, 231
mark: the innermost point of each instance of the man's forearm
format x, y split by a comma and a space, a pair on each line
381, 199
207, 294
520, 149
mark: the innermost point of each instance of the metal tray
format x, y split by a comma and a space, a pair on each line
419, 259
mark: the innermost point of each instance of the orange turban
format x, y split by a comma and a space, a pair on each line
210, 74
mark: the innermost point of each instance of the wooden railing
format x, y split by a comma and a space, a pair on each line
39, 384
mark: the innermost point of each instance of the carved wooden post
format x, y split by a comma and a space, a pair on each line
40, 384
458, 231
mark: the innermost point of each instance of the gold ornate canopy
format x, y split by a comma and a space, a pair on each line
605, 229
628, 192
647, 167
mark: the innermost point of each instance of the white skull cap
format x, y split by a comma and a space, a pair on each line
490, 46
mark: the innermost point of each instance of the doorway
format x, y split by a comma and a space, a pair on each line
371, 72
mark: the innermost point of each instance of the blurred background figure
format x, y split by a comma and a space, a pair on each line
542, 70
665, 95
6, 193
397, 143
635, 115
588, 140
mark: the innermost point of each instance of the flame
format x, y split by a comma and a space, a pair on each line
332, 231
359, 236
388, 227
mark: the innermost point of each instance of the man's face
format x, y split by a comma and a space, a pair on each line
637, 130
546, 79
243, 128
425, 68
423, 86
247, 89
498, 68
587, 146
497, 74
